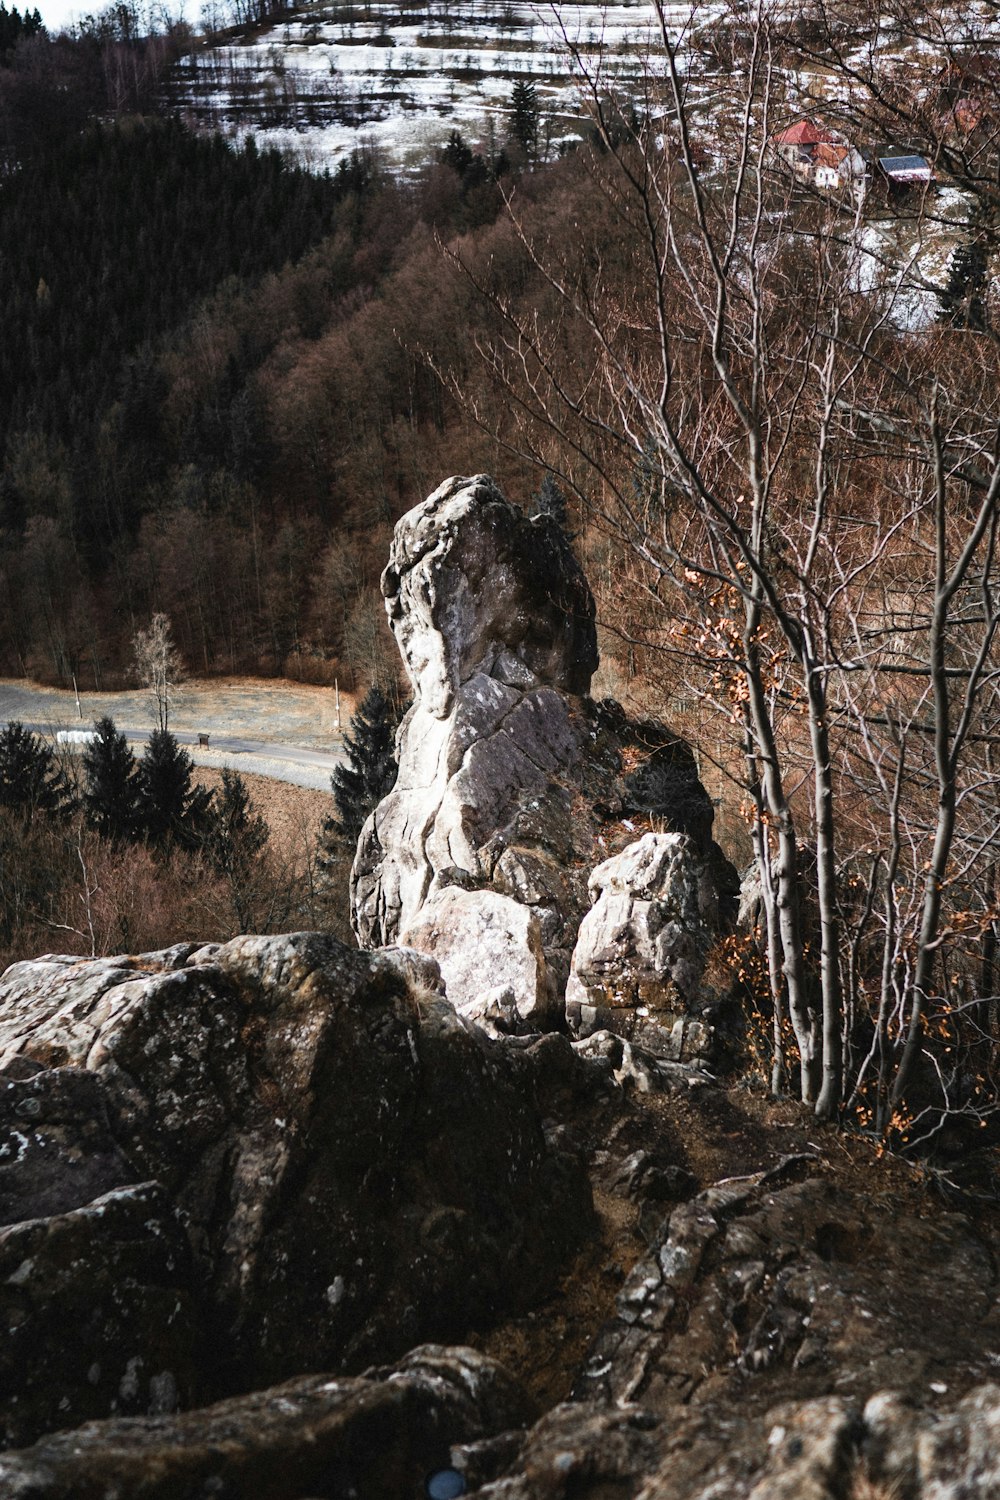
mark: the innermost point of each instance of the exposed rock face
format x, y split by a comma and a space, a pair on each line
366, 1438
791, 1332
641, 949
99, 1313
770, 1288
481, 936
509, 777
495, 624
785, 1338
823, 1449
352, 1164
473, 588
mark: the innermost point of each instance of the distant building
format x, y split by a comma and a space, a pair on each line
820, 157
904, 170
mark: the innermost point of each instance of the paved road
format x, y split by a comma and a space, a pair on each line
298, 764
297, 755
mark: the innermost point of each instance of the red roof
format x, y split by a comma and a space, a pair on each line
827, 155
804, 133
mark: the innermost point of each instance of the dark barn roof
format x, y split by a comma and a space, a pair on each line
908, 168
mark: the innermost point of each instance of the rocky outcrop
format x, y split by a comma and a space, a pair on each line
641, 950
495, 624
776, 1288
785, 1337
828, 1448
379, 1435
766, 1313
350, 1163
100, 1314
474, 588
490, 950
512, 784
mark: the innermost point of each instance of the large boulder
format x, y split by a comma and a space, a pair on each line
641, 950
354, 1167
367, 1438
512, 784
99, 1311
479, 937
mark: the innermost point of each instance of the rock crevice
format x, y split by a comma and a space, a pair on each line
340, 1163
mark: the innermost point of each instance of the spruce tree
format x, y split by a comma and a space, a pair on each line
457, 154
370, 770
30, 780
235, 832
171, 810
234, 843
524, 117
111, 784
962, 302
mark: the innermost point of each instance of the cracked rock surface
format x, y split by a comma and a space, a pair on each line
512, 784
365, 1438
811, 1330
761, 1310
224, 1166
641, 950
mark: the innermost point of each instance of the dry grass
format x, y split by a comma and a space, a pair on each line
294, 814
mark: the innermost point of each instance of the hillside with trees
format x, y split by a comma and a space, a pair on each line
782, 478
643, 1137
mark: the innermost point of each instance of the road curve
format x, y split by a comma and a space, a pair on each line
247, 723
296, 764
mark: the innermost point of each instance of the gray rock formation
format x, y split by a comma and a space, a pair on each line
100, 1314
495, 624
827, 1448
474, 588
342, 1165
510, 785
784, 1338
641, 949
350, 1162
779, 1288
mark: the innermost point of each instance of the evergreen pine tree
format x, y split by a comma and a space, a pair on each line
457, 154
30, 780
962, 301
236, 833
235, 839
170, 808
111, 784
370, 770
524, 117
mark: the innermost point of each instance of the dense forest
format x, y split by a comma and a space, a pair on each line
215, 397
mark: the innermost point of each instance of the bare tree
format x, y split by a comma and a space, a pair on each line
157, 665
741, 407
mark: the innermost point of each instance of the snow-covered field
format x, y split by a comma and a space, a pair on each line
400, 78
340, 76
